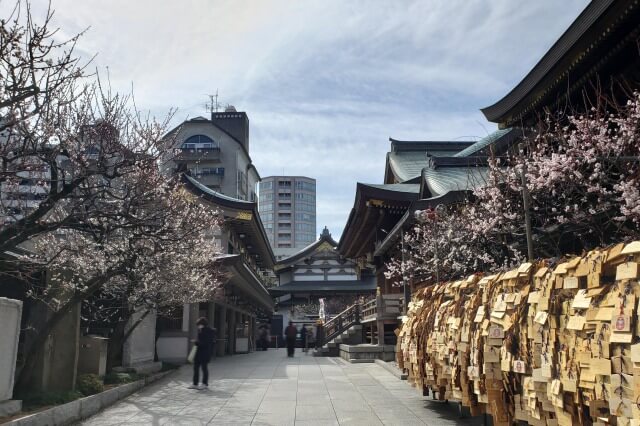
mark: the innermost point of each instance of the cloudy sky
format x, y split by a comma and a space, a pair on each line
325, 83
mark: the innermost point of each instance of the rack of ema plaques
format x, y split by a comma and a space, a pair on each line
544, 343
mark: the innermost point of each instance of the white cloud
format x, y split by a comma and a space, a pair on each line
325, 83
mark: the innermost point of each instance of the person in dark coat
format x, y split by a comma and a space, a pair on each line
205, 344
303, 337
290, 333
264, 337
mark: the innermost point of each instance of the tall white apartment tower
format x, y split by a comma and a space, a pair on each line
287, 206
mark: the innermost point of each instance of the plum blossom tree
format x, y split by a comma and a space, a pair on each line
582, 174
443, 246
82, 192
63, 135
164, 255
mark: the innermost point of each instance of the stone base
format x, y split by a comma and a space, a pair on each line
352, 353
10, 407
141, 368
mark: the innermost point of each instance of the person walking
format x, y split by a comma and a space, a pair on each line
264, 333
205, 345
291, 333
303, 337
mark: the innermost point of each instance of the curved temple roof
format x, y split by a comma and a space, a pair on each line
495, 137
406, 159
443, 180
241, 214
324, 237
599, 36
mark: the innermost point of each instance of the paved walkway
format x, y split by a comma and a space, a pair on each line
267, 388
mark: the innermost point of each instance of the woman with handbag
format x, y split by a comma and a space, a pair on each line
204, 350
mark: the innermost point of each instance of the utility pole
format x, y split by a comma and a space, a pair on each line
526, 200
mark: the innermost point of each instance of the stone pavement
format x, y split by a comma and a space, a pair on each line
267, 388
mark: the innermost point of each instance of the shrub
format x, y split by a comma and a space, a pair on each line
114, 378
89, 384
43, 399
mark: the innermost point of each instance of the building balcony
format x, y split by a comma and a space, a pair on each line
194, 154
209, 179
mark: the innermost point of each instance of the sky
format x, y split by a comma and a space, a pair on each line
325, 83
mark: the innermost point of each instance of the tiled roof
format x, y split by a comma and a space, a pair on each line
407, 165
411, 188
477, 147
442, 180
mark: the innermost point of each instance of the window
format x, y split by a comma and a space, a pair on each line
199, 142
284, 216
307, 227
284, 226
305, 207
284, 184
206, 171
284, 245
302, 236
265, 207
266, 217
284, 237
284, 206
306, 217
305, 197
284, 196
242, 180
266, 186
306, 186
266, 197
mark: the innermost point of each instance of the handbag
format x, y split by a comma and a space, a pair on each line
192, 355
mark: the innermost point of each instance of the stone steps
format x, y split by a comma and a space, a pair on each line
351, 336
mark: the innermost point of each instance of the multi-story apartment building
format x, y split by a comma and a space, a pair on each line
27, 179
215, 152
288, 210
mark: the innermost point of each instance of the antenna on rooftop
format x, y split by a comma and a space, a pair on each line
213, 105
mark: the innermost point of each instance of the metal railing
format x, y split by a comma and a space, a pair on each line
197, 153
341, 322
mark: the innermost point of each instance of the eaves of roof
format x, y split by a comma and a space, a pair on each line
236, 206
502, 137
401, 194
588, 43
408, 219
246, 280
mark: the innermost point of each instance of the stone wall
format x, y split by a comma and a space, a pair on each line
10, 315
140, 347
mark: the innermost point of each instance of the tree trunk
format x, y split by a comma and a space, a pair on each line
39, 339
116, 340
